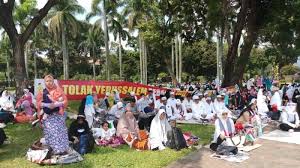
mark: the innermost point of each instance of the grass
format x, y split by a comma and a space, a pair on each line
21, 136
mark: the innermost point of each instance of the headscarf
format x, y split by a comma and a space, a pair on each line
261, 102
89, 100
126, 126
55, 94
276, 100
158, 130
6, 100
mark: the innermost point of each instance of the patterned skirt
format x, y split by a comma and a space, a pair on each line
55, 133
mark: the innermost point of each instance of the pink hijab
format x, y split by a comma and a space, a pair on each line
126, 126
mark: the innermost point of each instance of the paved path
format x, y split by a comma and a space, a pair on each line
271, 154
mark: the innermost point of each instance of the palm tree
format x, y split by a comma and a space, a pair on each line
97, 11
61, 17
94, 39
117, 24
139, 11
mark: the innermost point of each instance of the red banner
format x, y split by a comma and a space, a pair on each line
77, 90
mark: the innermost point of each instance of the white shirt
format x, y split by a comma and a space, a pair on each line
142, 103
219, 107
197, 108
187, 103
209, 108
218, 131
172, 102
289, 115
116, 111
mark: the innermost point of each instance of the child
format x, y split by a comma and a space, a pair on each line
107, 136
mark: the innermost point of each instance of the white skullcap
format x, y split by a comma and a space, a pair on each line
195, 97
132, 94
178, 101
219, 96
164, 98
205, 93
208, 98
119, 104
107, 93
172, 93
252, 101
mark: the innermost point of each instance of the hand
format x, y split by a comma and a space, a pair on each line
75, 140
52, 106
222, 136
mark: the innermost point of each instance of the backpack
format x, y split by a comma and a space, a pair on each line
176, 139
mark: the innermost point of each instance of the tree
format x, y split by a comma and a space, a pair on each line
117, 24
200, 58
18, 39
62, 16
97, 11
93, 42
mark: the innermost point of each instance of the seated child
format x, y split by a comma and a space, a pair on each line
106, 136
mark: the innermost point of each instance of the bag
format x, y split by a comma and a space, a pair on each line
176, 139
226, 150
236, 140
276, 115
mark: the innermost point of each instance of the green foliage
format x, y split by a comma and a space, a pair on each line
82, 77
199, 58
162, 75
201, 79
289, 69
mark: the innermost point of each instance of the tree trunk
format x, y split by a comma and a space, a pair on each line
141, 58
106, 40
176, 58
8, 67
94, 66
20, 73
145, 63
172, 57
27, 48
180, 57
65, 53
232, 52
35, 65
120, 56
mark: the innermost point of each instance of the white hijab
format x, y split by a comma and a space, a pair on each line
276, 99
158, 130
262, 106
6, 100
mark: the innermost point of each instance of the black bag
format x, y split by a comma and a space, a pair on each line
226, 150
176, 139
2, 136
276, 115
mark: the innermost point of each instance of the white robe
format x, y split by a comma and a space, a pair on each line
289, 115
89, 112
187, 105
208, 110
276, 100
179, 111
197, 109
100, 132
6, 102
172, 102
262, 106
158, 132
219, 107
218, 131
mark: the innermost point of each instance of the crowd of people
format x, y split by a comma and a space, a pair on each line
143, 121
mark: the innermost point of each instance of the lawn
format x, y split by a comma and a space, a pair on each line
22, 136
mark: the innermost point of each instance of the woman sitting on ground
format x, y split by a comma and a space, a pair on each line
80, 135
6, 108
247, 122
158, 131
128, 129
224, 127
289, 118
106, 136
